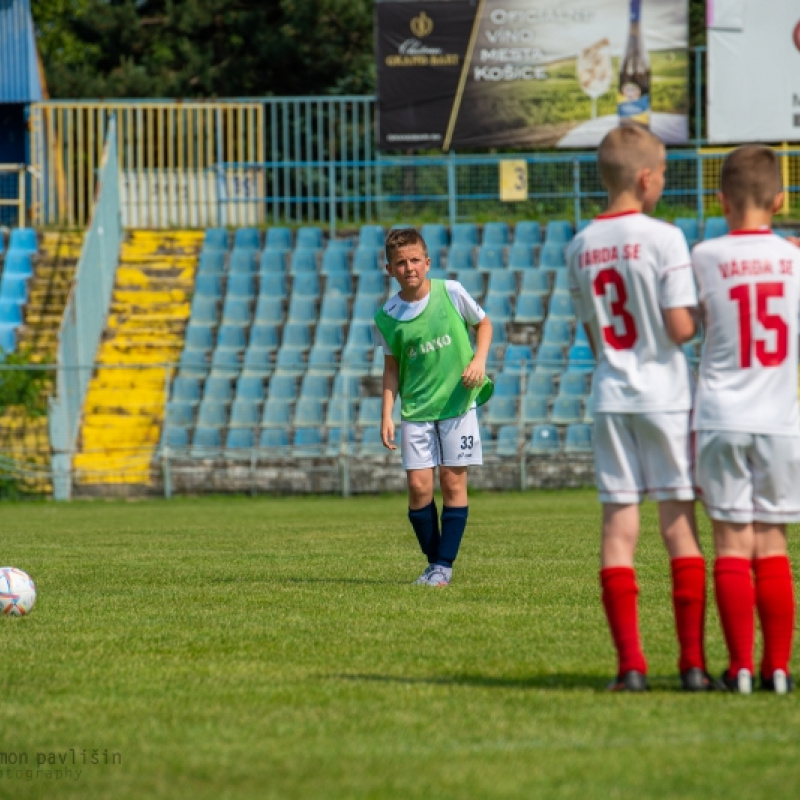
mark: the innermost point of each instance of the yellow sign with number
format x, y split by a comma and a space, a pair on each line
513, 181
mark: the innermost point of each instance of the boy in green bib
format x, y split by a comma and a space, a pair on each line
429, 362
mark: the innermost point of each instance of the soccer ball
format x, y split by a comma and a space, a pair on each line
17, 592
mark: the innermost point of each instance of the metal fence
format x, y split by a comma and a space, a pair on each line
84, 316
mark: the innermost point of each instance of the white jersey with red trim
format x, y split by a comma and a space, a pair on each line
623, 270
749, 284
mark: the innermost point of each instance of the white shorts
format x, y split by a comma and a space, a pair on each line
640, 455
746, 477
452, 442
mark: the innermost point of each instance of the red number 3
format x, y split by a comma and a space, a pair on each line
627, 339
770, 322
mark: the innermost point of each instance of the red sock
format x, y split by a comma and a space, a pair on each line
775, 603
733, 585
689, 602
619, 600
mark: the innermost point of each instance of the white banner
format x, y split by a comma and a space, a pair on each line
753, 71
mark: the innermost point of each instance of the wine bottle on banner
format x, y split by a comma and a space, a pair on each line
634, 73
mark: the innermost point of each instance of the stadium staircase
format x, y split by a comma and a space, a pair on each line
124, 406
24, 438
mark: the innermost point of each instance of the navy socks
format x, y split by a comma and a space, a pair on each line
454, 521
425, 522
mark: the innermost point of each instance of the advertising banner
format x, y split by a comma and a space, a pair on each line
528, 73
753, 71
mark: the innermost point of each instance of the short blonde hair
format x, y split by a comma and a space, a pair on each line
625, 151
403, 237
751, 176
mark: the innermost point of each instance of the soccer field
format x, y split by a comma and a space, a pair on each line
276, 648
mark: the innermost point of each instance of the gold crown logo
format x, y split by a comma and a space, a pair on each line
421, 25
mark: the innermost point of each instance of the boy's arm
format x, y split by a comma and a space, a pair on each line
475, 372
681, 323
391, 381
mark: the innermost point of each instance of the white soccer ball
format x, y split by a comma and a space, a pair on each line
17, 592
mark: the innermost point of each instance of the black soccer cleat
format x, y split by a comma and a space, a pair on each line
630, 681
741, 682
779, 682
695, 679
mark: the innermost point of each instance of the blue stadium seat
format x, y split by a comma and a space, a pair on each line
334, 260
544, 439
215, 239
10, 313
551, 256
528, 232
274, 439
561, 306
573, 384
535, 409
277, 413
291, 359
356, 359
464, 233
231, 337
371, 236
316, 386
309, 237
243, 262
212, 262
364, 308
529, 310
490, 257
344, 244
179, 414
18, 263
473, 282
690, 227
507, 384
339, 283
368, 260
346, 385
185, 390
566, 410
557, 331
460, 257
226, 363
550, 358
580, 358
174, 437
194, 363
258, 360
279, 238
329, 335
588, 410
559, 230
341, 412
241, 285
309, 412
507, 441
369, 412
372, 283
502, 281
282, 387
245, 413
518, 358
239, 442
334, 308
206, 442
199, 337
306, 284
218, 389
502, 410
435, 235
307, 442
212, 415
274, 284
521, 257
496, 234
498, 308
340, 439
536, 281
371, 444
302, 309
324, 360
236, 311
714, 227
361, 334
247, 239
208, 285
303, 261
542, 384
561, 281
578, 438
273, 261
250, 388
268, 310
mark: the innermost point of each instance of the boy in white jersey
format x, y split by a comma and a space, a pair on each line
746, 415
632, 287
429, 362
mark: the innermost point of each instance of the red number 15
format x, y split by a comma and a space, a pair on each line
741, 295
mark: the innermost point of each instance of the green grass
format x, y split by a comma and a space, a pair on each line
274, 648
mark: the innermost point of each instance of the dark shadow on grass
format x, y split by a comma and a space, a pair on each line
564, 681
354, 581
